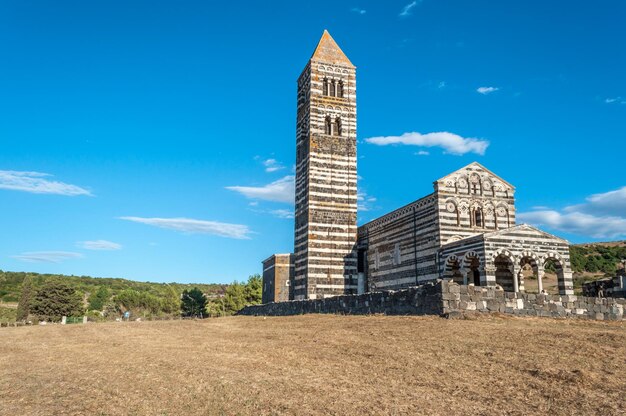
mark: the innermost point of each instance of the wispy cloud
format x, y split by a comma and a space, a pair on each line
408, 9
47, 256
618, 100
422, 153
37, 183
364, 201
193, 226
272, 165
282, 190
486, 90
450, 142
442, 85
601, 216
282, 213
99, 245
358, 10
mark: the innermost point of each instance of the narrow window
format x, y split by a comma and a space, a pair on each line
332, 88
478, 217
338, 126
327, 126
340, 89
325, 87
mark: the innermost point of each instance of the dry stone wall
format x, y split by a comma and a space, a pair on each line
421, 300
449, 299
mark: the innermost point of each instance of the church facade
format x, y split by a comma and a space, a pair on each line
465, 230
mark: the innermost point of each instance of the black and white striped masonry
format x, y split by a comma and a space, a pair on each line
464, 231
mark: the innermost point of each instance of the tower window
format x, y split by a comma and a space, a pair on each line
340, 89
337, 129
332, 92
325, 87
328, 126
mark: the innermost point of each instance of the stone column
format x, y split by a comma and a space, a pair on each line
540, 274
569, 284
464, 273
488, 276
515, 279
520, 278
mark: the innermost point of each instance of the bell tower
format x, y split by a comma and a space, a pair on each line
326, 178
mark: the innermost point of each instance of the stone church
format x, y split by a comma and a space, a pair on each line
465, 230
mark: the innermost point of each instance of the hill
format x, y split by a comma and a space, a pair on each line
601, 259
11, 283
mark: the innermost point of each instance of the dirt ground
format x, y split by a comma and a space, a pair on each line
316, 364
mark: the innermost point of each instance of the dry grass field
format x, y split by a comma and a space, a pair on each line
316, 364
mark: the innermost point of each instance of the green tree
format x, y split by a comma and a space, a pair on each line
170, 303
138, 302
193, 303
234, 298
56, 299
99, 298
26, 299
253, 290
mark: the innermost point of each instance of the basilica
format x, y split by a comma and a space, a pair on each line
465, 230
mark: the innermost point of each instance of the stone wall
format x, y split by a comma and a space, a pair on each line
459, 300
421, 300
449, 299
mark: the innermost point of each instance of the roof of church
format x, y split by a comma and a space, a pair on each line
328, 51
504, 231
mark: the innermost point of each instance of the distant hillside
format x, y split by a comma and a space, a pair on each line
11, 282
606, 258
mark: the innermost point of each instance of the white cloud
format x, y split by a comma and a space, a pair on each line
422, 153
601, 216
486, 90
364, 201
272, 165
577, 223
450, 142
47, 256
193, 226
407, 10
282, 190
611, 203
442, 85
36, 183
99, 245
282, 213
358, 10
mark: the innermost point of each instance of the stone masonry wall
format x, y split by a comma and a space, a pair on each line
449, 299
420, 300
459, 300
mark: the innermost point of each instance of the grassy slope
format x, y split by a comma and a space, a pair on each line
316, 364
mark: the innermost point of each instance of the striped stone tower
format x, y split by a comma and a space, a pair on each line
326, 195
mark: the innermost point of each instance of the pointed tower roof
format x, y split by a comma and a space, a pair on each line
328, 51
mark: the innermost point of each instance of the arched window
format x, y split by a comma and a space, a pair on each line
340, 89
337, 131
325, 87
478, 217
332, 88
327, 126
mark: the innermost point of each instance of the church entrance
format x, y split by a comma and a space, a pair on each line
473, 270
504, 273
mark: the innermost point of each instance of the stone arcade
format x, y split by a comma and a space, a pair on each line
464, 231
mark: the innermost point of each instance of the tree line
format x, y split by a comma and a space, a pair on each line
56, 298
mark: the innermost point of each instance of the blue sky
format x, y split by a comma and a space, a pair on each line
166, 129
